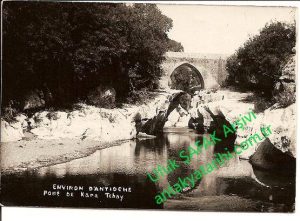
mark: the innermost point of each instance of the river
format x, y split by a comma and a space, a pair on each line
234, 187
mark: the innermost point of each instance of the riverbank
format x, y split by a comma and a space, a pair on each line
52, 137
25, 155
57, 137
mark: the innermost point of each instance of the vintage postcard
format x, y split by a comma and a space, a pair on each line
148, 106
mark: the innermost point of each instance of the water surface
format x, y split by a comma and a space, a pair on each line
235, 187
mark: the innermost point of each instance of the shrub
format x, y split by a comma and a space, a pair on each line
257, 64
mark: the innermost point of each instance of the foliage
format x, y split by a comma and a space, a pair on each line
175, 46
257, 64
66, 49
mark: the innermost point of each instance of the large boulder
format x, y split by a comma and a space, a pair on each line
11, 131
268, 157
155, 125
102, 96
283, 126
285, 88
170, 112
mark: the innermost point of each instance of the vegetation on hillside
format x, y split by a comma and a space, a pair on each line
65, 50
257, 65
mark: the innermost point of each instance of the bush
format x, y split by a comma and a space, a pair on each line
257, 64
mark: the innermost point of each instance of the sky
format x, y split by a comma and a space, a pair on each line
220, 29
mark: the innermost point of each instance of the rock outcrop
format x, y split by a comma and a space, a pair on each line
285, 89
268, 157
11, 132
167, 109
87, 123
231, 104
177, 106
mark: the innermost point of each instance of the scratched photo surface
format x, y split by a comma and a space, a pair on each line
148, 106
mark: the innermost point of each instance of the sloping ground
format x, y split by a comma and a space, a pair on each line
53, 137
88, 122
21, 155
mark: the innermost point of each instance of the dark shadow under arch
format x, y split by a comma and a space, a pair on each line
186, 76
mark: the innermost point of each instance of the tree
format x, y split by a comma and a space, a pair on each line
65, 49
175, 46
257, 64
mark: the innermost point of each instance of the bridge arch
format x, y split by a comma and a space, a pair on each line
184, 76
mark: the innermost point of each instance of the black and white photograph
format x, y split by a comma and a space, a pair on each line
148, 106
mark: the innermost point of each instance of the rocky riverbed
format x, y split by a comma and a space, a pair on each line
49, 137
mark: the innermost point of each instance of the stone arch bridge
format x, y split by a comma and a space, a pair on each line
209, 69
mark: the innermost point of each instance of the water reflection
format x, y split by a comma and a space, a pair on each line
127, 164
